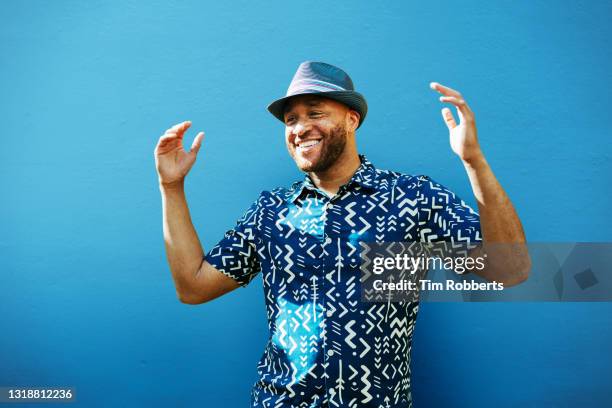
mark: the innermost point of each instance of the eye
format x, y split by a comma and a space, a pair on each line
289, 120
315, 114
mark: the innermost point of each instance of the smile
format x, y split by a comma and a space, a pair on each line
307, 145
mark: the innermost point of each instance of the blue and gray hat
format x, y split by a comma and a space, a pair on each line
323, 79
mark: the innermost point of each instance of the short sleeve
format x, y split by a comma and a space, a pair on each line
446, 220
236, 253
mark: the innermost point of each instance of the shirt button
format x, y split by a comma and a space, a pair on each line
329, 313
330, 352
328, 240
330, 206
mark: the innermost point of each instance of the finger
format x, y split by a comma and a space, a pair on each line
168, 142
449, 119
179, 126
444, 90
462, 109
167, 138
179, 129
197, 143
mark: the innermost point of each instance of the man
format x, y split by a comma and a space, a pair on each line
326, 347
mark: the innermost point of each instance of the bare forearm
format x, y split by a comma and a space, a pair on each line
498, 218
183, 248
502, 231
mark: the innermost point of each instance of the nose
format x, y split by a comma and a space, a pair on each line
300, 128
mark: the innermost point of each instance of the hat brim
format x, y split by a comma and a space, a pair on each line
354, 100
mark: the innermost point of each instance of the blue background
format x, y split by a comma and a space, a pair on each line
88, 87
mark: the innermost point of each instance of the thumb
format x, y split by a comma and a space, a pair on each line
197, 143
449, 119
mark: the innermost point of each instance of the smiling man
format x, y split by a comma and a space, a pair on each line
327, 347
323, 149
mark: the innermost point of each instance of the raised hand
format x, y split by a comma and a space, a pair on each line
463, 136
171, 160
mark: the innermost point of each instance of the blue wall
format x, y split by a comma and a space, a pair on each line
87, 88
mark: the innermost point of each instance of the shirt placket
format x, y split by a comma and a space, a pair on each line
330, 303
319, 270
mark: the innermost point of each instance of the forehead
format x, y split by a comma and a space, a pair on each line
308, 101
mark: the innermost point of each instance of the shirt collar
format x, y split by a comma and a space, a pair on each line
364, 177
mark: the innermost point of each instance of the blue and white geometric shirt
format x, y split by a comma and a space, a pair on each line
327, 348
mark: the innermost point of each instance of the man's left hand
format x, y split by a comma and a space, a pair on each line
463, 136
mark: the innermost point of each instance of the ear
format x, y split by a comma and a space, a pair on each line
353, 119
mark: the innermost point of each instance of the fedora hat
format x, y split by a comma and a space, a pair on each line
319, 78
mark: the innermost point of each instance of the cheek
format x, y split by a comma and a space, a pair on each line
325, 126
289, 143
288, 136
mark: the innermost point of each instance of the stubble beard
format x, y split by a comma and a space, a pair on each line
334, 144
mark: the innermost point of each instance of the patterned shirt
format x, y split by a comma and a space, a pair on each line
327, 348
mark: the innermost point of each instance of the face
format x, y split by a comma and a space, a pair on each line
316, 131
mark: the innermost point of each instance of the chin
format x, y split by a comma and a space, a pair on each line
302, 163
305, 165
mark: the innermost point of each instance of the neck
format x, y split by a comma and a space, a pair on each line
337, 175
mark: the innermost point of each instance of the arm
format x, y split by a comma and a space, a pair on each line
509, 262
196, 281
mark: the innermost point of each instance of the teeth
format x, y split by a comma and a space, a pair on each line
309, 143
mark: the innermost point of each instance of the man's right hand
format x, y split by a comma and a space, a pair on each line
171, 160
